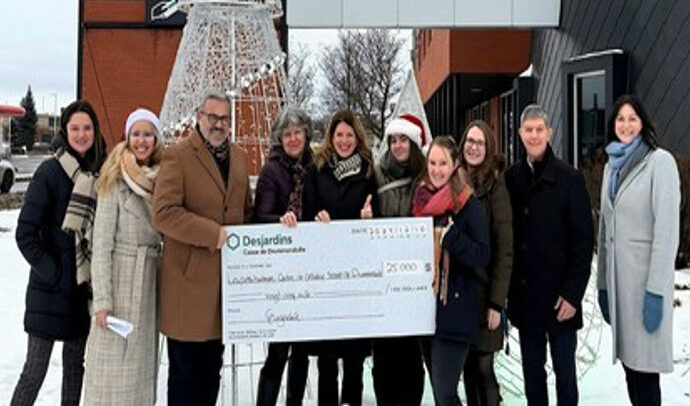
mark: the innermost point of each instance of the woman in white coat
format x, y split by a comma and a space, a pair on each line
638, 239
122, 371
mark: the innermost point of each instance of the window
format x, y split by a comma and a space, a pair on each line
509, 138
591, 84
511, 105
481, 111
589, 119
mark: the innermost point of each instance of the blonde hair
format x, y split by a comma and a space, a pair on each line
111, 173
459, 179
325, 150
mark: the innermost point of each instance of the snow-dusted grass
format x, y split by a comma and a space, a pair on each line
603, 384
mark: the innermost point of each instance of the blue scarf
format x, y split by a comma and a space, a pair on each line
619, 154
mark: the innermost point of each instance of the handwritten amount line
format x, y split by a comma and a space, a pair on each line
251, 298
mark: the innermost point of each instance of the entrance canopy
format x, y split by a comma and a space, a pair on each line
422, 13
12, 111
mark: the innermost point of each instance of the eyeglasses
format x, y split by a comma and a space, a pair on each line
474, 143
214, 119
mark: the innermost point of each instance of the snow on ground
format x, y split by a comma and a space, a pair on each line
602, 384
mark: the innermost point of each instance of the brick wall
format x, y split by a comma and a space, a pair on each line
126, 64
124, 69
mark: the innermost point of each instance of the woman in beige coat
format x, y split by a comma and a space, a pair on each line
122, 371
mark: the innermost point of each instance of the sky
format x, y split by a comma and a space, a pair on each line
38, 47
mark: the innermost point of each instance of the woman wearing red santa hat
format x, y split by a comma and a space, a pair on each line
398, 370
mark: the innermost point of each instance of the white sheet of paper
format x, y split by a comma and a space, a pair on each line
120, 327
345, 279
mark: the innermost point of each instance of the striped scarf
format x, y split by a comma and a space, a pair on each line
140, 179
80, 212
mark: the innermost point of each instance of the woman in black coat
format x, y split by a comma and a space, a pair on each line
279, 198
56, 297
340, 185
444, 193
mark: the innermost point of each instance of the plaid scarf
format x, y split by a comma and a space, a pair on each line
439, 204
80, 212
342, 168
140, 179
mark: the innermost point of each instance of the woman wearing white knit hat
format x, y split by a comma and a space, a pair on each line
122, 371
398, 370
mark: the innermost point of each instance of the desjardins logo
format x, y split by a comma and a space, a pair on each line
234, 241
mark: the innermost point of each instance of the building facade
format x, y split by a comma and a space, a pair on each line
600, 50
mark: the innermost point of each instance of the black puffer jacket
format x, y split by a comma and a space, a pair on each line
56, 308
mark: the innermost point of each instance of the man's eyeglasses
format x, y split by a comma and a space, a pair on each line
214, 119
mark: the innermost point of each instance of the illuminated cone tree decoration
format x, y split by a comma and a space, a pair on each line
228, 47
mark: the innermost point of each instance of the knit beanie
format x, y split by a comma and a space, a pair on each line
139, 115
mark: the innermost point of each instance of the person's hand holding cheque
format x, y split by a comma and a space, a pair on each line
289, 219
323, 217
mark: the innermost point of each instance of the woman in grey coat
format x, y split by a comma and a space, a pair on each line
122, 371
638, 239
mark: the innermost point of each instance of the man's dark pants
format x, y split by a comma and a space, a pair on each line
194, 374
562, 344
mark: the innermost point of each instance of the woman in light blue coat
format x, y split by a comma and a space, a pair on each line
638, 239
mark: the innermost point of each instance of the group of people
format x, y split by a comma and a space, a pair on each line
511, 243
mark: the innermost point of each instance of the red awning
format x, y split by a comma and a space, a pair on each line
6, 110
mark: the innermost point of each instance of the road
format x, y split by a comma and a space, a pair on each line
26, 165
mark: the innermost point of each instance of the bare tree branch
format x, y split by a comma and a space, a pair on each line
300, 77
362, 73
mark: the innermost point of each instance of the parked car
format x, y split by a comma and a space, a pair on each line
8, 174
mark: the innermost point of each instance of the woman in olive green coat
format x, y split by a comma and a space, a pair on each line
398, 371
481, 160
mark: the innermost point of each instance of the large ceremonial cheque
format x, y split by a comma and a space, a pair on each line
364, 278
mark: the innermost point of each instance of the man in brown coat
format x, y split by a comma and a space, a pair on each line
202, 185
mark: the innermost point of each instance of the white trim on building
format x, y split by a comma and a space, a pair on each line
422, 13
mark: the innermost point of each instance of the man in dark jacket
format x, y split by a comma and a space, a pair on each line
553, 238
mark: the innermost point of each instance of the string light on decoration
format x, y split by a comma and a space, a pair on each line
228, 47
